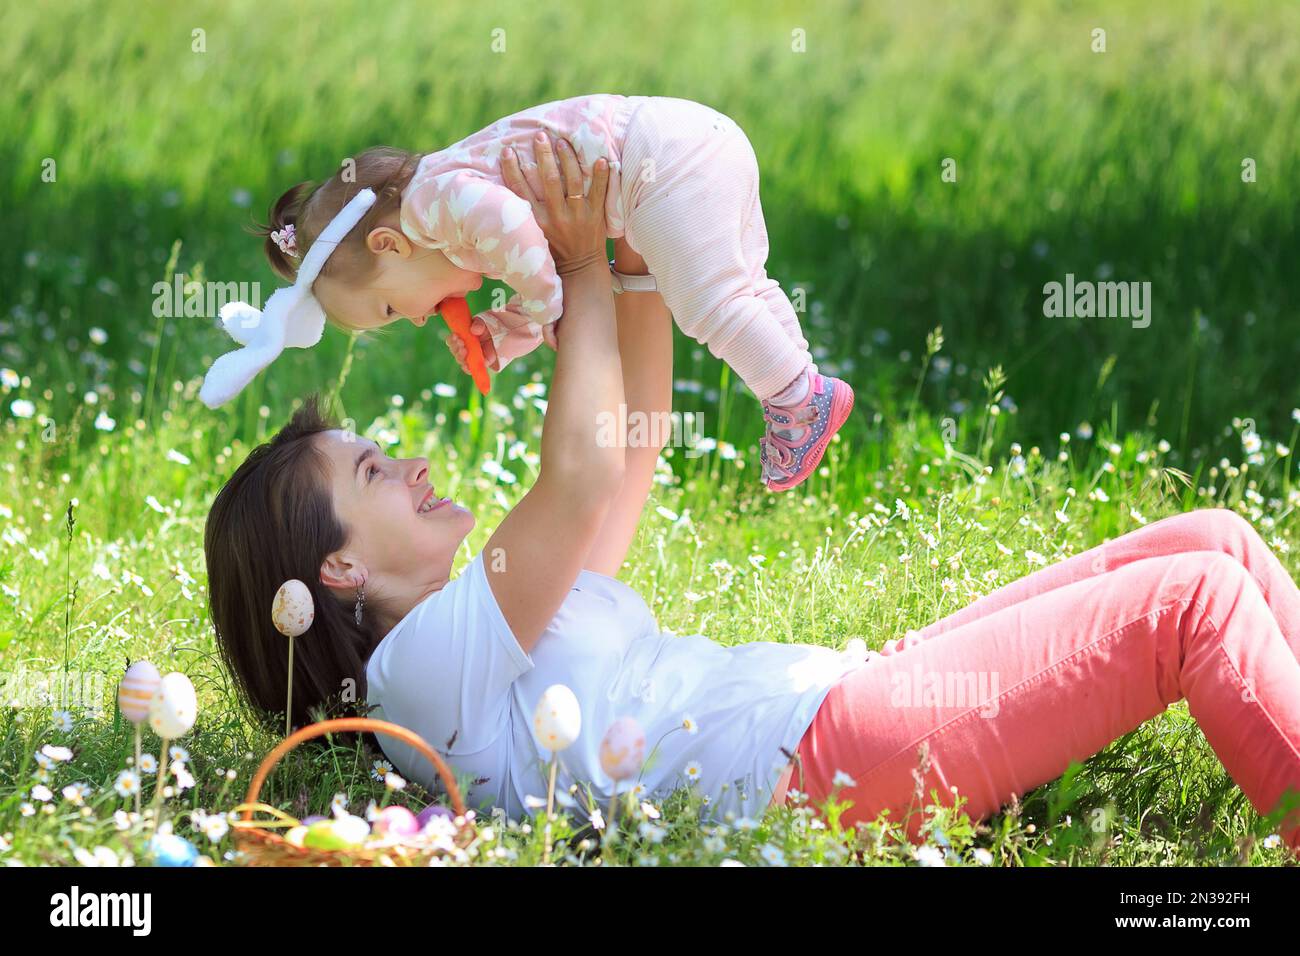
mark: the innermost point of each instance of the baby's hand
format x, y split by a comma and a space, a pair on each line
458, 351
550, 333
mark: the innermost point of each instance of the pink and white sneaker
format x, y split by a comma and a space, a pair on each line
797, 434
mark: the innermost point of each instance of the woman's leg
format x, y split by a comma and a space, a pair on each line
1210, 529
1005, 702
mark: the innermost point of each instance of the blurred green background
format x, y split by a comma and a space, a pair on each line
1124, 165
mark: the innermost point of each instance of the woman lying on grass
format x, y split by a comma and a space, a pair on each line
1003, 694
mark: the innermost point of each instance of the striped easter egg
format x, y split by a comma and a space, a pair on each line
137, 689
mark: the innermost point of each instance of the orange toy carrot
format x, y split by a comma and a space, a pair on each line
455, 312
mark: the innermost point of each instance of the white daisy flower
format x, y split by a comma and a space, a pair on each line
772, 855
928, 856
127, 783
215, 827
654, 834
842, 779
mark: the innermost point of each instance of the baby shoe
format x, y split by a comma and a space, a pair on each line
797, 433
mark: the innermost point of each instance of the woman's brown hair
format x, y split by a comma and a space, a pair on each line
272, 521
309, 207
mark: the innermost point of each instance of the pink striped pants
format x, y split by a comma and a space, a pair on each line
1053, 667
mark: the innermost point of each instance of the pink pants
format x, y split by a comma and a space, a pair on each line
1053, 667
692, 211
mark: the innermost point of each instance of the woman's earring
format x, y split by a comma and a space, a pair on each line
361, 602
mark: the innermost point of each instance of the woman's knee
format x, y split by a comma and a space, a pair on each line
1214, 529
1215, 586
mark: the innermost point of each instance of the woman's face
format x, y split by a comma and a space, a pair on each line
402, 536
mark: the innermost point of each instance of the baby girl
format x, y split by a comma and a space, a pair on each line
682, 192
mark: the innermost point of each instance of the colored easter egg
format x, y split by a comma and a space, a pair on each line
322, 835
136, 690
308, 821
432, 811
174, 706
557, 718
295, 835
167, 849
396, 822
622, 750
293, 610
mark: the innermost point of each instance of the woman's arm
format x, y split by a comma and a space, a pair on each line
645, 345
535, 555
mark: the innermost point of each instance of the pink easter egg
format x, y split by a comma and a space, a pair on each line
622, 749
396, 822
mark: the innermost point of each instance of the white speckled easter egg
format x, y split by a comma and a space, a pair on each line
622, 750
136, 690
293, 609
174, 706
558, 718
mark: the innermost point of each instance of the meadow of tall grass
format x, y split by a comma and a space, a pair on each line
988, 439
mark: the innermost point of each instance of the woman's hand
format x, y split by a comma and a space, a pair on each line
575, 228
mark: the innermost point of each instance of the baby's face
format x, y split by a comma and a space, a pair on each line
410, 283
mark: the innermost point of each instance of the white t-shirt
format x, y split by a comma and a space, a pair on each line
453, 672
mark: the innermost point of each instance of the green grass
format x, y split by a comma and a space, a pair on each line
1069, 161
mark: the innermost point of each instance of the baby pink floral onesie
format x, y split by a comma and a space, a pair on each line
683, 192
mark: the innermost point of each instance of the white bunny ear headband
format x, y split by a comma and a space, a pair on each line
292, 316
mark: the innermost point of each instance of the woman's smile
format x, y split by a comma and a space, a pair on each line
431, 502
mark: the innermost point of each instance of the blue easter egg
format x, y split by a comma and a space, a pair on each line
170, 850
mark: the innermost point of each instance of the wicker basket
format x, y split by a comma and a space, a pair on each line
263, 846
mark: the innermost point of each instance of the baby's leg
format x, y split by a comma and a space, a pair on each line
699, 226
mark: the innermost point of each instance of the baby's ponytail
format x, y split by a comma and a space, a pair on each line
285, 212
